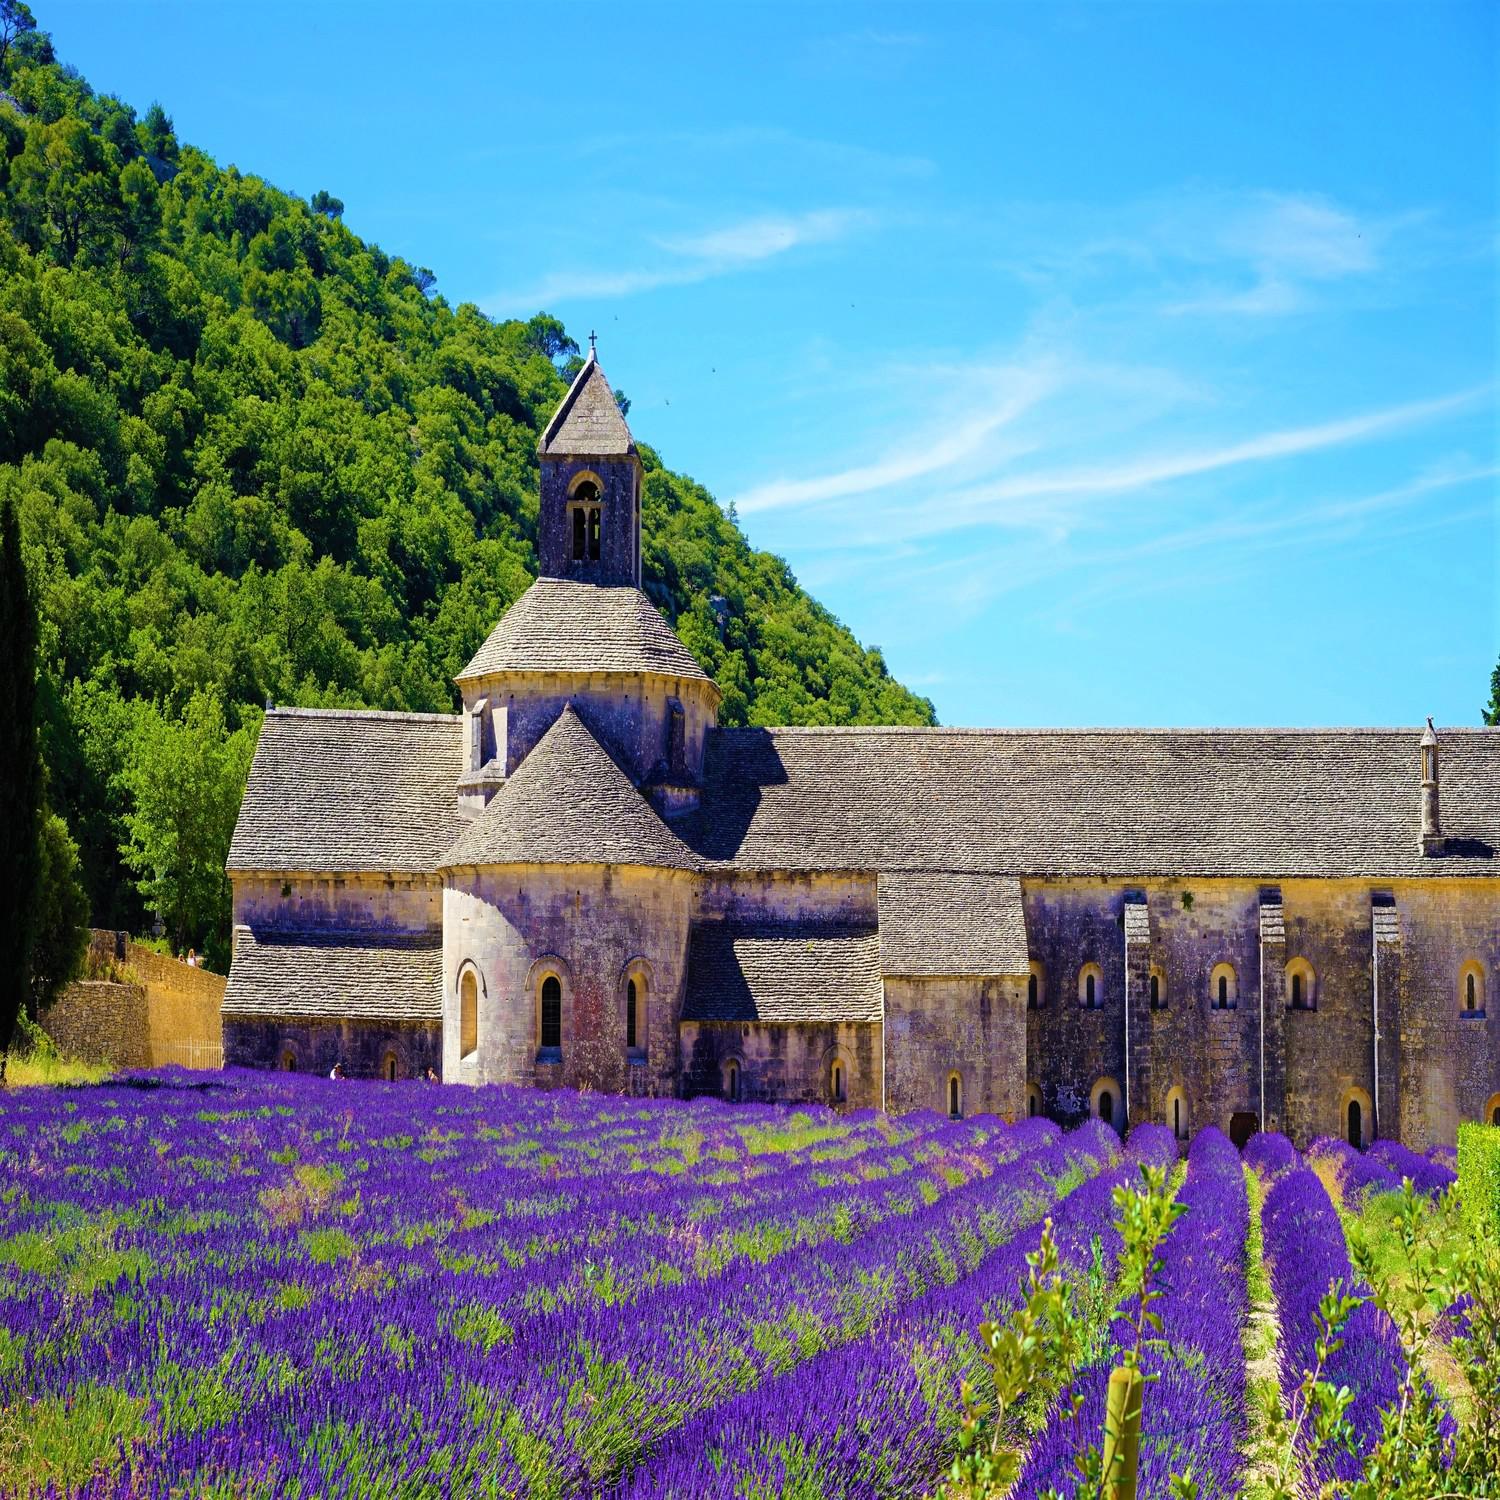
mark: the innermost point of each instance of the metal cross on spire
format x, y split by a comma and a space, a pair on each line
592, 338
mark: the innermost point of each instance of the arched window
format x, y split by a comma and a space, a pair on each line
1356, 1117
1177, 1113
630, 1031
732, 1081
468, 1013
1091, 986
288, 1060
1034, 982
1471, 988
587, 520
388, 1067
1302, 985
955, 1097
1033, 1101
1104, 1102
1223, 992
837, 1086
1158, 989
551, 1019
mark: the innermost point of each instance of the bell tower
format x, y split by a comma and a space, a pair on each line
589, 529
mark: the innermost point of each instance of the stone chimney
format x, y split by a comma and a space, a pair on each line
1432, 820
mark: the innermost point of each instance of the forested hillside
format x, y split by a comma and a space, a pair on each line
257, 458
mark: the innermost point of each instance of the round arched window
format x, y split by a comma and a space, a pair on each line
551, 1013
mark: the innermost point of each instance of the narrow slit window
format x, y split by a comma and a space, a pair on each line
1089, 991
1156, 992
579, 524
955, 1097
1032, 996
630, 1032
1297, 997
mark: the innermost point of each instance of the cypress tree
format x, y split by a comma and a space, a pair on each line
20, 779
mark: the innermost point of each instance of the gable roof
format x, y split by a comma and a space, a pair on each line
796, 971
588, 423
340, 790
372, 975
1255, 803
560, 625
568, 803
942, 923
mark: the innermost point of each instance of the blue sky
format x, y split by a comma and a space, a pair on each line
1103, 364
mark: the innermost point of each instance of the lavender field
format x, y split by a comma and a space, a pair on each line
262, 1285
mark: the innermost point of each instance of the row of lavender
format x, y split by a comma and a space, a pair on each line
878, 1417
300, 1287
1307, 1255
309, 1288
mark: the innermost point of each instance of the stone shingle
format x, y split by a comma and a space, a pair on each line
946, 924
1260, 804
568, 803
801, 971
559, 625
348, 975
338, 791
588, 423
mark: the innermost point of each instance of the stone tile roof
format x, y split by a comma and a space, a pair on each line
588, 423
339, 790
801, 971
1260, 803
943, 923
365, 975
568, 803
560, 625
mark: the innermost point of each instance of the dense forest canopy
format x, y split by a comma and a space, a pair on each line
255, 458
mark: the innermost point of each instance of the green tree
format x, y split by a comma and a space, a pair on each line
20, 779
15, 19
1492, 708
323, 202
186, 778
60, 914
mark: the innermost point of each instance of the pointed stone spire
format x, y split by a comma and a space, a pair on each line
588, 423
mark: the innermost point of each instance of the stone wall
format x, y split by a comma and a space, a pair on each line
311, 1045
1449, 1061
311, 902
791, 1064
100, 1022
594, 927
628, 712
154, 1010
936, 1027
1438, 1065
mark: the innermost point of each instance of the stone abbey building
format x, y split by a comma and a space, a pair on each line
582, 881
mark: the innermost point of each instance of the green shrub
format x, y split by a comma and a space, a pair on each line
1479, 1177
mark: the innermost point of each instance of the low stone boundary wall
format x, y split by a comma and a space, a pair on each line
99, 1022
165, 1011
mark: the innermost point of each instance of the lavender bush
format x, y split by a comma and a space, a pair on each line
1307, 1256
1193, 1417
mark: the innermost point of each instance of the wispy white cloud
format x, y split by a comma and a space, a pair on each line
691, 258
938, 447
1147, 472
1207, 251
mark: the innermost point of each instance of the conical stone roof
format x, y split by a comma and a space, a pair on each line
560, 625
568, 803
